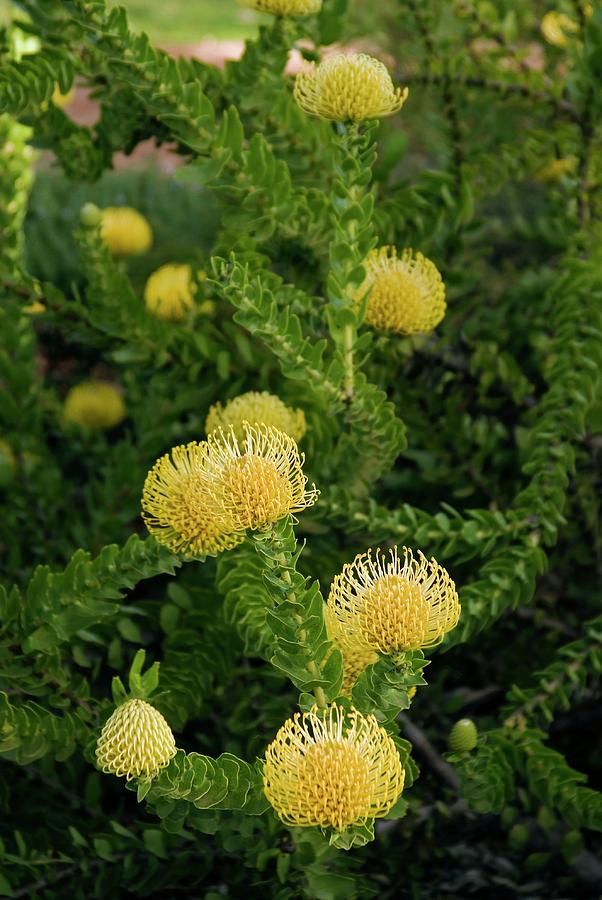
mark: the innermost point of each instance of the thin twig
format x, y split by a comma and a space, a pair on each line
420, 741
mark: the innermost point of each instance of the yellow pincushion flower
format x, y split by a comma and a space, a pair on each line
125, 231
391, 603
178, 504
407, 293
135, 741
169, 292
94, 404
202, 499
557, 27
256, 408
556, 169
332, 769
286, 7
259, 479
349, 88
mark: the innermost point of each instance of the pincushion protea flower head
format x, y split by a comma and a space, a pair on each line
407, 294
259, 479
125, 231
169, 292
202, 499
348, 88
332, 769
392, 603
135, 741
255, 408
178, 504
286, 7
94, 404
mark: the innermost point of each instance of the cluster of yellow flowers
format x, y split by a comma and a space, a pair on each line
203, 497
332, 767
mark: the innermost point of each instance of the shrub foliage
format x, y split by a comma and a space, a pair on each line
477, 443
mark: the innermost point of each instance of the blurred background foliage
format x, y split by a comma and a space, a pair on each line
459, 176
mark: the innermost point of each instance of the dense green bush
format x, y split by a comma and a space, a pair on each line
477, 443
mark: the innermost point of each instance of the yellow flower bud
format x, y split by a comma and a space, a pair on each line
556, 169
61, 100
332, 769
169, 292
256, 408
407, 293
391, 604
557, 27
125, 231
348, 88
94, 404
135, 741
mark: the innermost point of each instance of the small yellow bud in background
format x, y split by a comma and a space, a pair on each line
94, 404
407, 293
256, 408
90, 215
348, 88
61, 100
125, 231
135, 741
169, 292
556, 169
286, 7
557, 28
332, 769
34, 309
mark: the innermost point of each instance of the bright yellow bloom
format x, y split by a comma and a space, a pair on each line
256, 408
332, 769
348, 88
178, 504
169, 292
392, 604
407, 293
95, 404
286, 7
61, 100
259, 479
125, 231
556, 169
135, 741
357, 655
35, 308
556, 28
202, 500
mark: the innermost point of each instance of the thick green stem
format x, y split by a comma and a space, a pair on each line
311, 665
